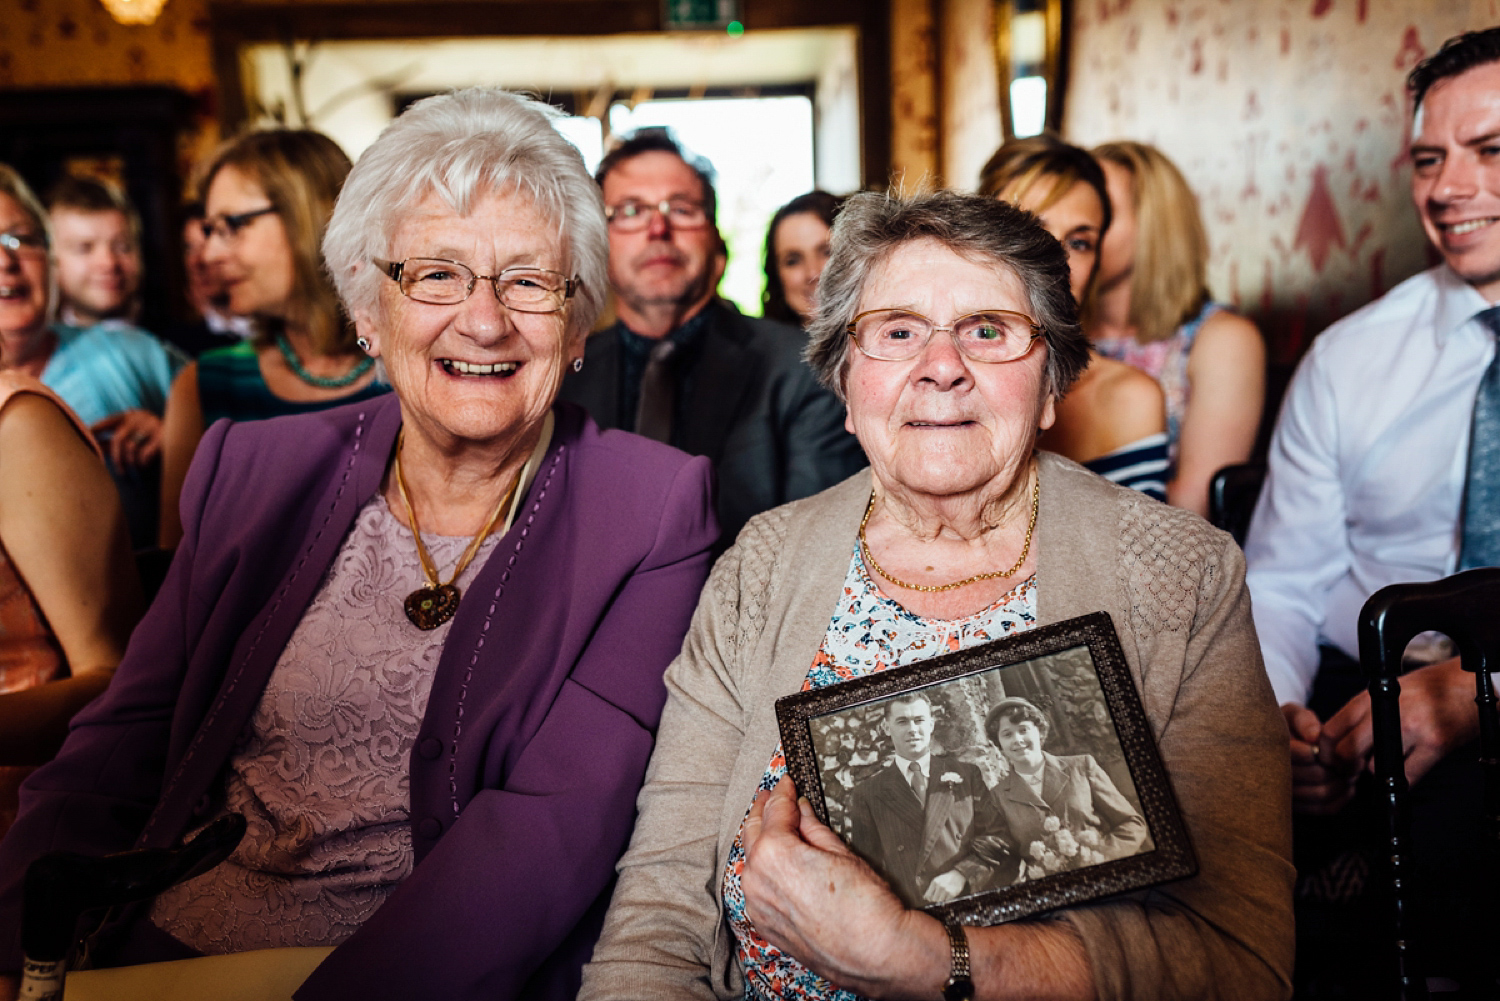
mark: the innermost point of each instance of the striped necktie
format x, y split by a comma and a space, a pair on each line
918, 781
1480, 546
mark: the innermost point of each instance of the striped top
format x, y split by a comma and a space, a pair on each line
1142, 465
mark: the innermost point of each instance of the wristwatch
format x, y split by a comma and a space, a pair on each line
959, 987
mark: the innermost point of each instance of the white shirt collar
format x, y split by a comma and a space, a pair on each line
1458, 302
924, 762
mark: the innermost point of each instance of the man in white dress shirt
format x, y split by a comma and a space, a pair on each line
1367, 466
1366, 487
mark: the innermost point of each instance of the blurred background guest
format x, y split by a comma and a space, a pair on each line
963, 334
1152, 309
211, 326
267, 199
114, 376
437, 789
796, 250
68, 589
1113, 419
681, 364
97, 244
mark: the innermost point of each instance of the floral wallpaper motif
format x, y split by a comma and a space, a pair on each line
1289, 118
75, 43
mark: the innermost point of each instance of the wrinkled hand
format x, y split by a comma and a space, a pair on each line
134, 437
1322, 782
945, 887
1437, 716
815, 900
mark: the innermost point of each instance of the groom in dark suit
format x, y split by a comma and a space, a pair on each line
684, 366
912, 818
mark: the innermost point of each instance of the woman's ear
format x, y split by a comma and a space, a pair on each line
1048, 415
368, 332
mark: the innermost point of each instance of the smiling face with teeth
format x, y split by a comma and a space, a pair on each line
941, 424
473, 373
24, 284
1455, 181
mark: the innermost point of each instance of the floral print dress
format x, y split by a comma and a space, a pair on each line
868, 633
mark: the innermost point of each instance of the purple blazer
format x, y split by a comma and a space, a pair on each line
542, 715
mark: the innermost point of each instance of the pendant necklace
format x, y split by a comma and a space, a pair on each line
429, 607
321, 381
1036, 497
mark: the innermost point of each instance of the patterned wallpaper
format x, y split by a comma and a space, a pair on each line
70, 43
1289, 118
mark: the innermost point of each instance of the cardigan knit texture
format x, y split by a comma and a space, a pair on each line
1174, 587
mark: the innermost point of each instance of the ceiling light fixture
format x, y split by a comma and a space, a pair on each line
134, 11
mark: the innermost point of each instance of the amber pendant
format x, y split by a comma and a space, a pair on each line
430, 607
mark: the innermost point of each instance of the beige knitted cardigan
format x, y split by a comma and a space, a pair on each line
1175, 589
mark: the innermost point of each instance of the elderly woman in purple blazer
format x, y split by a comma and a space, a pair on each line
417, 641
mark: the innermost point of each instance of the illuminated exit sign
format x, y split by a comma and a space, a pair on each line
678, 15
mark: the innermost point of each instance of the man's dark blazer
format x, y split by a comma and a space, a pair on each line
911, 843
753, 408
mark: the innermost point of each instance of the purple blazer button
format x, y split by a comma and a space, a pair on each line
430, 828
430, 748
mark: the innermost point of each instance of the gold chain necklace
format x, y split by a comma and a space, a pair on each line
864, 546
429, 607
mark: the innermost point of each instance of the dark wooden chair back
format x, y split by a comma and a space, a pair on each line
1466, 608
1232, 493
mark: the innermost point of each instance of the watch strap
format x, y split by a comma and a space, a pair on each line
959, 987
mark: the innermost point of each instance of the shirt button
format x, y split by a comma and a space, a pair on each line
431, 748
430, 828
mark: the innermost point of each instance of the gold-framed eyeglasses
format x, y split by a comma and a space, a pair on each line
991, 335
631, 216
229, 227
23, 242
447, 283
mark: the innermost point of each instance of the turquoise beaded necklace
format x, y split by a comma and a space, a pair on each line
321, 381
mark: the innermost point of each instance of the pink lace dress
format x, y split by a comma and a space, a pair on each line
321, 772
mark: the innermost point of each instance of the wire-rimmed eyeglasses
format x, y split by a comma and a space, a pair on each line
229, 227
633, 215
991, 335
447, 283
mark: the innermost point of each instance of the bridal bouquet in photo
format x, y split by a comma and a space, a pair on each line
1063, 847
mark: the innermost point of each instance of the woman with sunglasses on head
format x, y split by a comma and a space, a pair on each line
267, 199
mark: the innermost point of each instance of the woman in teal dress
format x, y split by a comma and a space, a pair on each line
268, 196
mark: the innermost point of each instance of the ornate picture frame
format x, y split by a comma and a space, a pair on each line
1043, 787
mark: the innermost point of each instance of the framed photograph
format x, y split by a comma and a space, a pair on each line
994, 783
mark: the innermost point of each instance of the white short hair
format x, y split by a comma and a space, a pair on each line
461, 146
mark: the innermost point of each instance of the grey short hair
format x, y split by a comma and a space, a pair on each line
873, 226
461, 146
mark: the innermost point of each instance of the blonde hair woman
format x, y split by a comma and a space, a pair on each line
1151, 307
267, 199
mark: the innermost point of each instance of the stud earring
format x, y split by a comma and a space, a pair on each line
578, 364
364, 344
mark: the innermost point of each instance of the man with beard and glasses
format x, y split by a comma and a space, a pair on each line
682, 365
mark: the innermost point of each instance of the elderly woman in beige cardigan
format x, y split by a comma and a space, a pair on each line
946, 324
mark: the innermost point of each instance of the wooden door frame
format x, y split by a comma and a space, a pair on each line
236, 25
